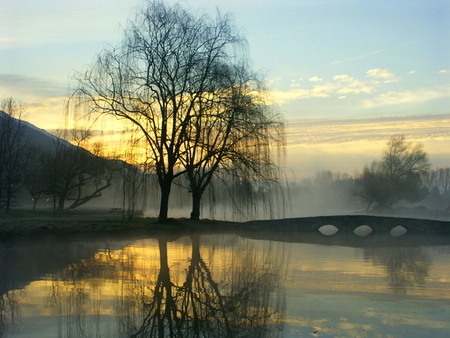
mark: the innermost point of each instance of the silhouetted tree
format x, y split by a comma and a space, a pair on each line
233, 131
14, 148
73, 173
35, 180
398, 176
169, 65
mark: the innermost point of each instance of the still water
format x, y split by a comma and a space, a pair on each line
226, 285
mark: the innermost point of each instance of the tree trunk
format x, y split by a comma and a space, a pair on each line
164, 206
196, 198
8, 198
368, 205
61, 202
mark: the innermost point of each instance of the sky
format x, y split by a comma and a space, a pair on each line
345, 74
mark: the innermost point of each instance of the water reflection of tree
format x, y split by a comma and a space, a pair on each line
242, 305
240, 298
9, 309
406, 267
76, 293
9, 306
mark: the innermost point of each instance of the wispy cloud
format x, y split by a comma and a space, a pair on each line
341, 85
355, 58
5, 39
44, 100
348, 144
406, 97
331, 131
384, 74
350, 85
25, 87
319, 91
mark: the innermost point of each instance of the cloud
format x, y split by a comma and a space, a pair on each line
412, 72
355, 58
274, 81
406, 97
294, 83
385, 74
315, 79
350, 85
349, 143
281, 97
8, 40
342, 85
343, 78
338, 131
25, 87
443, 71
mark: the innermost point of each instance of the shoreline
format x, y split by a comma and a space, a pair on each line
23, 224
17, 225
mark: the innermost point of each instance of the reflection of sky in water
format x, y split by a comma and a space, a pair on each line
311, 290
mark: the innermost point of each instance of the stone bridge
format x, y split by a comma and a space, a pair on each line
349, 223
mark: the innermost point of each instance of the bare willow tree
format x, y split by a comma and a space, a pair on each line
157, 75
233, 131
197, 105
398, 176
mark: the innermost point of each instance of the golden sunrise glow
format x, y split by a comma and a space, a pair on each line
139, 264
339, 290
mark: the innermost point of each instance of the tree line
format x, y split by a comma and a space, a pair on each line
71, 171
61, 171
402, 175
67, 170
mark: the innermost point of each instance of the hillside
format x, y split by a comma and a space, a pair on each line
36, 136
40, 167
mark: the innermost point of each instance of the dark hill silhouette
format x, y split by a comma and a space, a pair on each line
36, 136
81, 175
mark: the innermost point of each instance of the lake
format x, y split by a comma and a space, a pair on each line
226, 285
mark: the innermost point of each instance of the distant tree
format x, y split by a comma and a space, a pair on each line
14, 148
438, 178
437, 182
35, 176
398, 176
323, 178
74, 174
170, 63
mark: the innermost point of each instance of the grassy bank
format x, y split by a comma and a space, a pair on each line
18, 223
